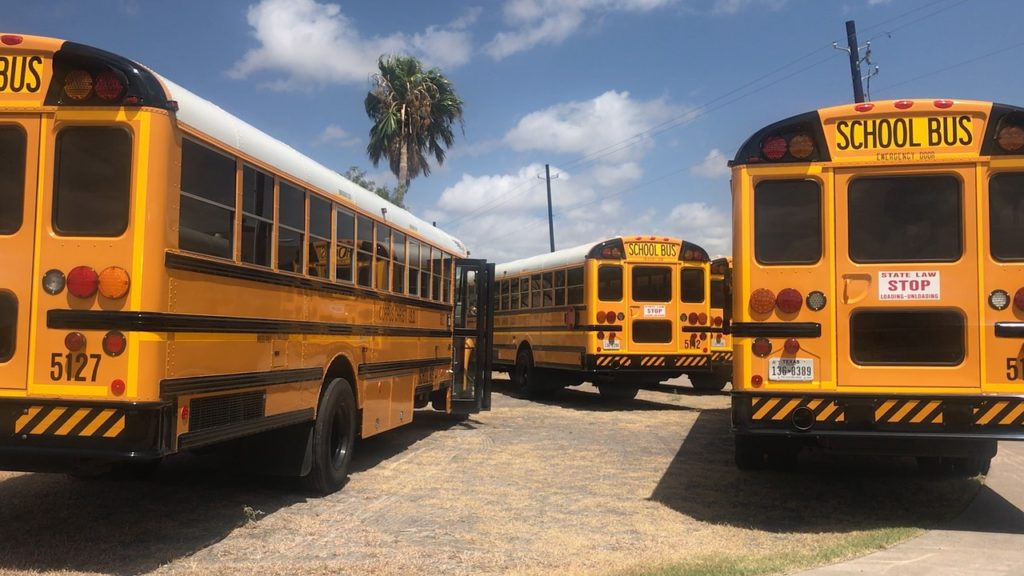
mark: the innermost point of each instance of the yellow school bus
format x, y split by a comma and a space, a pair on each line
879, 283
624, 313
721, 341
176, 279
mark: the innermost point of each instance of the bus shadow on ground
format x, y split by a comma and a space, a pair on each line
824, 493
125, 527
586, 399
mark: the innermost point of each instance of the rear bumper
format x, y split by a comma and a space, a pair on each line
52, 435
825, 416
647, 363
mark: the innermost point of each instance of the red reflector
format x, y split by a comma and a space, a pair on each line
864, 107
943, 104
11, 39
74, 341
610, 316
789, 301
600, 335
717, 321
108, 85
903, 104
692, 318
83, 281
756, 380
702, 318
117, 387
114, 343
600, 316
774, 147
762, 347
791, 346
184, 412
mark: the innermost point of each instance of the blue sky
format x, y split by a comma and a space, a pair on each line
635, 104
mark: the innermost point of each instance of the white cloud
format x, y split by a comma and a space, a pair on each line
535, 22
521, 192
609, 126
336, 135
715, 165
730, 7
313, 44
707, 226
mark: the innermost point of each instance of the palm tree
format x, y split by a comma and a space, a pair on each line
413, 111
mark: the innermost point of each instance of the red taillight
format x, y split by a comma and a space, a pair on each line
117, 387
1018, 299
83, 281
774, 147
610, 316
600, 335
943, 104
762, 347
903, 104
717, 321
74, 341
789, 301
864, 107
762, 301
600, 316
184, 412
791, 346
756, 380
702, 318
108, 85
11, 39
114, 343
692, 318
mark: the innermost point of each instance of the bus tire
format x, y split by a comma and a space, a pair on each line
971, 466
706, 382
334, 433
617, 392
524, 377
750, 452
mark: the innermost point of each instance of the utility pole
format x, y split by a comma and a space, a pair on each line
551, 223
854, 51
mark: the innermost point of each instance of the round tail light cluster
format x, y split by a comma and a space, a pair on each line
789, 301
606, 317
80, 85
83, 282
800, 146
762, 301
1018, 299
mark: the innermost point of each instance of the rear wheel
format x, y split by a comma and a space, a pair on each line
706, 382
334, 434
617, 392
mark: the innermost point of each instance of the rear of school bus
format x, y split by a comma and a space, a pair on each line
720, 340
878, 300
76, 170
650, 308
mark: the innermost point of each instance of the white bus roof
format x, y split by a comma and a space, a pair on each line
211, 120
564, 257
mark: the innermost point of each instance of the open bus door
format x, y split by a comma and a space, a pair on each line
473, 327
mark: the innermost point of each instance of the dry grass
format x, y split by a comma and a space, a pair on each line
577, 486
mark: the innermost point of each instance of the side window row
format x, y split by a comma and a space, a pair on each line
542, 290
365, 252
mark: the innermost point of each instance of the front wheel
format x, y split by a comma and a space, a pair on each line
334, 434
524, 377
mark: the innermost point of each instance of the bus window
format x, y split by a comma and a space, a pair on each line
8, 325
513, 296
524, 293
574, 286
905, 219
345, 232
382, 278
907, 337
93, 182
207, 201
257, 215
1006, 216
559, 283
692, 286
398, 255
291, 206
364, 255
414, 267
546, 284
318, 254
609, 283
717, 293
424, 271
535, 291
652, 284
446, 278
12, 178
787, 222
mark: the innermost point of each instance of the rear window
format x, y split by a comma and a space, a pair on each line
92, 181
1006, 216
8, 325
692, 285
718, 293
652, 331
787, 222
609, 283
652, 284
12, 178
905, 219
907, 337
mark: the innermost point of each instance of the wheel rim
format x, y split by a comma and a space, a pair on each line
339, 437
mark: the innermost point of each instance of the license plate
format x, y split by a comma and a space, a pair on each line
611, 344
791, 369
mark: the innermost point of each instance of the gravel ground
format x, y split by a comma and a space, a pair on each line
575, 485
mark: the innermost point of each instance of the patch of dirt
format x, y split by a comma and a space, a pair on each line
575, 485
